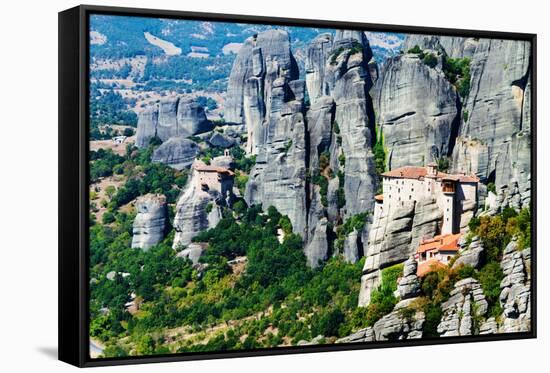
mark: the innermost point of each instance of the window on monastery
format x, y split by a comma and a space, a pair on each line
409, 197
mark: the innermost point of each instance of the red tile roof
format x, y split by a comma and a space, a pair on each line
448, 242
379, 197
428, 266
414, 172
220, 170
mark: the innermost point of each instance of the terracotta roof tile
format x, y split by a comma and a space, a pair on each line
220, 170
414, 172
448, 242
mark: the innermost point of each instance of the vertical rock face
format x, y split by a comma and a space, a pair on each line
393, 239
320, 119
409, 285
463, 311
273, 110
150, 221
496, 134
472, 255
455, 47
147, 126
317, 54
352, 250
176, 152
279, 176
173, 117
515, 297
262, 59
317, 250
417, 108
348, 81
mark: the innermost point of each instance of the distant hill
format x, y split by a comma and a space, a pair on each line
209, 46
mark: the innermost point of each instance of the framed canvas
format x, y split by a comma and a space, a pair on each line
235, 186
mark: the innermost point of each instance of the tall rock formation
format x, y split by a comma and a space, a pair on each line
269, 99
318, 52
262, 60
279, 176
417, 109
172, 117
150, 221
348, 81
515, 297
495, 140
463, 311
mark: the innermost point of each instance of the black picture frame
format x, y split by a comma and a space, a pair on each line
73, 75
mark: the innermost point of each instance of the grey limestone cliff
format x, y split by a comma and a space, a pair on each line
273, 110
515, 297
494, 139
176, 152
150, 221
348, 81
172, 117
464, 310
417, 110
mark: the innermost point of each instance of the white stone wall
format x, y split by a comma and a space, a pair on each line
398, 191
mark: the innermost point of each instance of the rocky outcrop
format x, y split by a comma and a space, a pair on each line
221, 141
515, 297
508, 196
172, 117
348, 82
499, 138
176, 152
402, 323
417, 110
150, 221
320, 120
196, 211
193, 252
317, 249
262, 59
277, 132
455, 47
409, 284
147, 126
315, 341
352, 247
318, 52
463, 312
471, 255
394, 236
